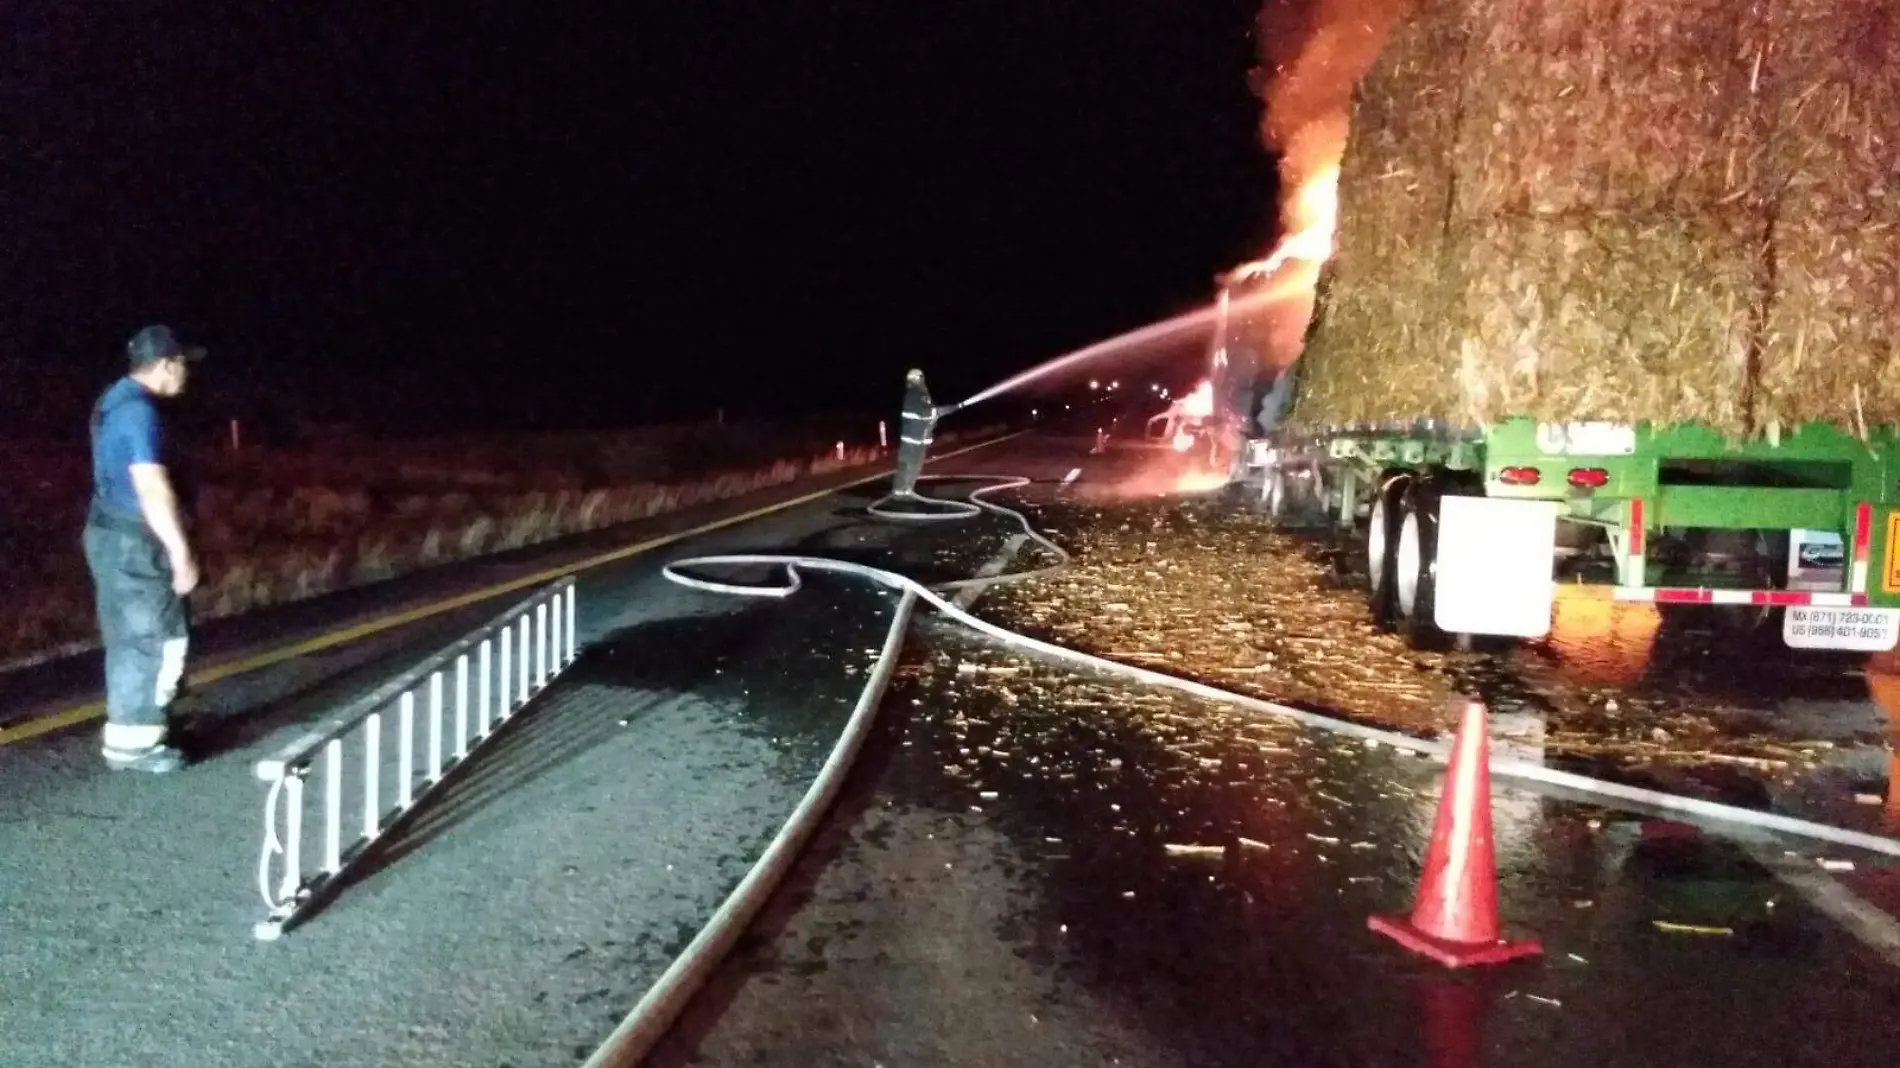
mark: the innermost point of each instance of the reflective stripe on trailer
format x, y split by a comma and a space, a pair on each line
1770, 598
1637, 537
1863, 543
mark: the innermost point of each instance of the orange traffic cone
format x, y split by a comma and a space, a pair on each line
1455, 921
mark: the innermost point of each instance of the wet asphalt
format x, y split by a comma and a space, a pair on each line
1030, 866
1038, 867
1035, 866
525, 909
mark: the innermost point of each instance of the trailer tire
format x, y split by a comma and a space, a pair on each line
1382, 534
1415, 560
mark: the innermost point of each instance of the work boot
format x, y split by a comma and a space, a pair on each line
156, 759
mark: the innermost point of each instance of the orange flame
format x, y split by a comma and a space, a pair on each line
1200, 403
1314, 210
1312, 53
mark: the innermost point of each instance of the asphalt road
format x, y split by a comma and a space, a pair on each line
1006, 884
527, 909
1037, 867
997, 887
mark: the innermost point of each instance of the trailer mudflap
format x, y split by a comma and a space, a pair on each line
1494, 566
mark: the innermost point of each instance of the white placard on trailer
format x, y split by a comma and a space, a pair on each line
1863, 630
1494, 566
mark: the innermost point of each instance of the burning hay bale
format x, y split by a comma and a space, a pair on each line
1621, 209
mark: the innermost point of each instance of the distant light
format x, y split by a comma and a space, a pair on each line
1114, 385
1095, 383
1154, 387
1032, 413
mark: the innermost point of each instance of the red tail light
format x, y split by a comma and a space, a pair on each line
1519, 476
1589, 477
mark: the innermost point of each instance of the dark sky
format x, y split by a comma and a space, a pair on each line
422, 214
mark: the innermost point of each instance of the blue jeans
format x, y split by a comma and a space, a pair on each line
143, 624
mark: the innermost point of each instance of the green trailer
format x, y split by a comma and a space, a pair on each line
1470, 531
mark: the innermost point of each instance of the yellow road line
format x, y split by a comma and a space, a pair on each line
33, 728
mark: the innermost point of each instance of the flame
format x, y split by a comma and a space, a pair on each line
1200, 403
1292, 269
1312, 53
1314, 209
1199, 481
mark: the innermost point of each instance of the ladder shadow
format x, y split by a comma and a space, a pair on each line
650, 663
228, 726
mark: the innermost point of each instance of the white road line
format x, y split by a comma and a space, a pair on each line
991, 568
1872, 927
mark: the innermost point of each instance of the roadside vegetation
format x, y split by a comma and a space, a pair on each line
278, 525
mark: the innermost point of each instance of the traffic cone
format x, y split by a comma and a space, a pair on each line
1455, 921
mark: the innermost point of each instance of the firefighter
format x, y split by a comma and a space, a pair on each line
142, 565
914, 429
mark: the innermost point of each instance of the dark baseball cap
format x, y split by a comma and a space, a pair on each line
155, 343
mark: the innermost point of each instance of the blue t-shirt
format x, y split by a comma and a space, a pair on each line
125, 432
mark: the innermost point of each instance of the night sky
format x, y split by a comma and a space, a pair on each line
420, 216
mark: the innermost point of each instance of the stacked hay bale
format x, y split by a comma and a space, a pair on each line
1662, 210
1833, 349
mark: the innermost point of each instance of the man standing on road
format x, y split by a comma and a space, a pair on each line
142, 566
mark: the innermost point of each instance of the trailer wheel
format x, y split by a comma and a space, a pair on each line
1409, 564
1415, 561
1382, 535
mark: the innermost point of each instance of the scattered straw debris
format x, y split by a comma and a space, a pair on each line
1216, 593
1691, 928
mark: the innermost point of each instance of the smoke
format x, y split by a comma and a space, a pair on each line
1312, 54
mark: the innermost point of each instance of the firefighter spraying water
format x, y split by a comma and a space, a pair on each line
917, 426
1196, 413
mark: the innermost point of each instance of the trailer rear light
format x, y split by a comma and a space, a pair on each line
1589, 477
1519, 476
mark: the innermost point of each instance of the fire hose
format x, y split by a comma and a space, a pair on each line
667, 998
